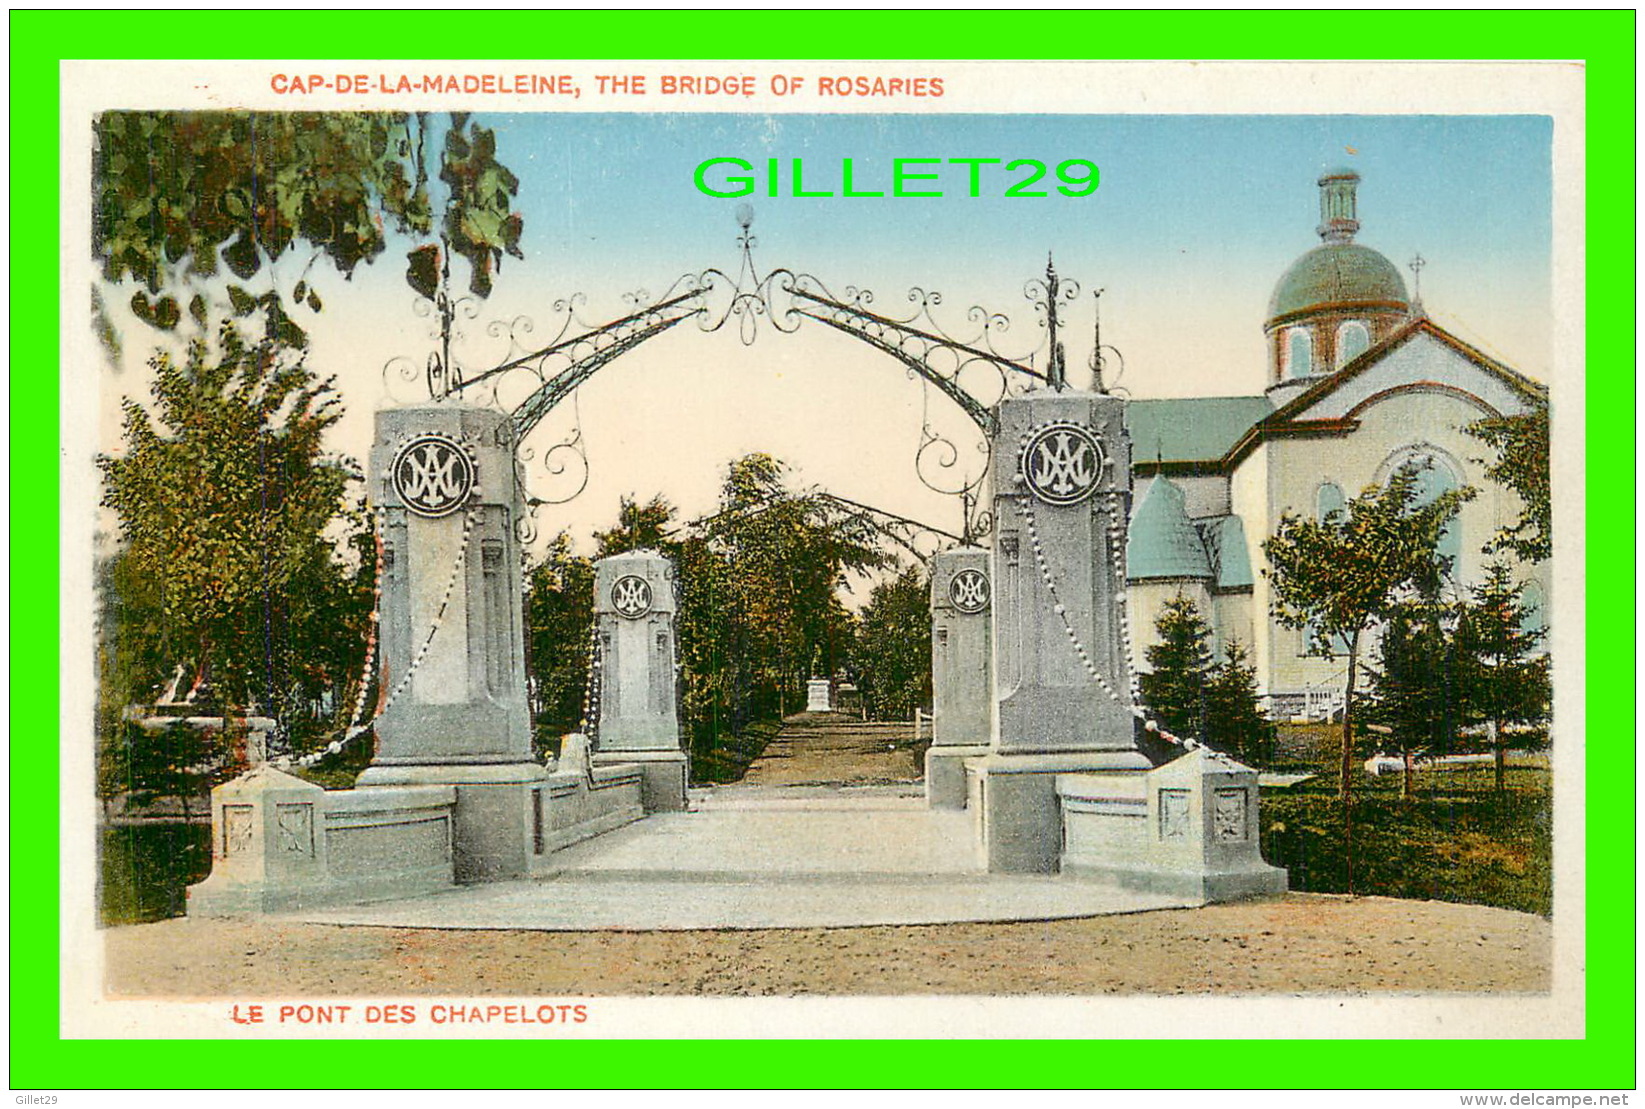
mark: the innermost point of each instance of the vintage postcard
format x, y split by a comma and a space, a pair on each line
800, 549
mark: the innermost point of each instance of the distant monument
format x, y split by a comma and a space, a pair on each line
819, 695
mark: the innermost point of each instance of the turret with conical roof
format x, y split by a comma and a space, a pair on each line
1337, 300
1163, 543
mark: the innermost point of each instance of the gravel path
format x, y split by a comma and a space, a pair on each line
1301, 943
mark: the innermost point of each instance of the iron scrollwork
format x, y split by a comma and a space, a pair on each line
533, 377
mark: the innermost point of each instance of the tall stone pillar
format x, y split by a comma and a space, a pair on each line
1061, 479
638, 723
962, 693
451, 651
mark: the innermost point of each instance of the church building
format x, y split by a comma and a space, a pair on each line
1361, 382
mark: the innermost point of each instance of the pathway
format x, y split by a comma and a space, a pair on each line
829, 828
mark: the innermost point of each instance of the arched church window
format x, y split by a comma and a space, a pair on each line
1437, 473
1532, 607
1299, 352
1431, 482
1353, 340
1328, 499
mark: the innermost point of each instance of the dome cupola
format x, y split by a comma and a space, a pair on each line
1338, 299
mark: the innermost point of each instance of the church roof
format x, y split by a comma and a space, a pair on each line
1163, 543
1291, 417
1190, 429
1224, 538
1338, 275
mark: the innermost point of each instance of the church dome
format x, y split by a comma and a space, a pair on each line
1338, 275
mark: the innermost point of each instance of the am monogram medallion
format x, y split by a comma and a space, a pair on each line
434, 475
1061, 463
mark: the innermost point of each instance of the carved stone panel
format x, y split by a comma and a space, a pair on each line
237, 828
1173, 813
1228, 819
294, 827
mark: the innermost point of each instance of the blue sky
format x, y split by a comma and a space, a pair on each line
1214, 205
1195, 220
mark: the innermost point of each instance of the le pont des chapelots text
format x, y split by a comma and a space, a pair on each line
442, 1013
842, 86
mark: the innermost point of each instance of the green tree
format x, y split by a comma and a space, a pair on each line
1414, 688
1504, 676
129, 663
1521, 464
182, 197
224, 497
1192, 694
639, 527
1175, 686
559, 619
1344, 575
893, 648
1233, 715
709, 696
787, 559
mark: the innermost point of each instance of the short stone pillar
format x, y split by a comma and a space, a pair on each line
268, 849
962, 694
451, 647
638, 721
280, 843
1188, 829
1061, 479
819, 695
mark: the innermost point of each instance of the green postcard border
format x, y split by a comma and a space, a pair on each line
1604, 42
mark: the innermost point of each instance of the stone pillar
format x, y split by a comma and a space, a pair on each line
962, 694
451, 648
1061, 479
634, 609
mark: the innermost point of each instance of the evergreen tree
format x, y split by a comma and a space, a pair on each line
1504, 677
1176, 688
1234, 722
1415, 691
559, 620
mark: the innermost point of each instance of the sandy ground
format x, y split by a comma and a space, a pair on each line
827, 749
1299, 943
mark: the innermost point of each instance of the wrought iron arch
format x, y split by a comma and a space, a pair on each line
784, 299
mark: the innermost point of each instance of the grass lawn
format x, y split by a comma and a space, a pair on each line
730, 755
1456, 839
